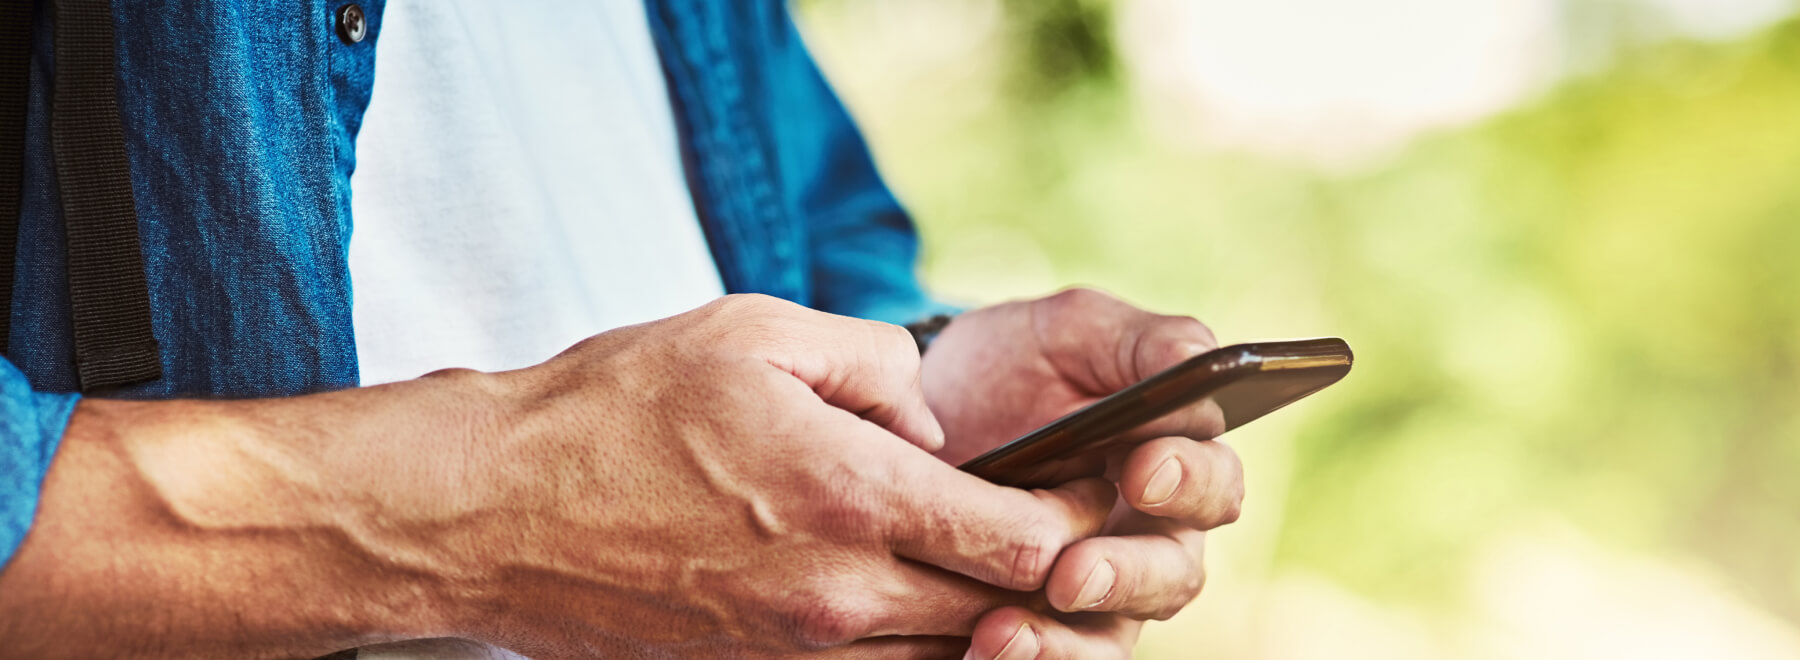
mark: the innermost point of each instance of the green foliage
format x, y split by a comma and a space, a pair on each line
1623, 253
1065, 43
1585, 310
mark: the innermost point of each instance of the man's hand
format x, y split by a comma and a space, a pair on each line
999, 372
738, 481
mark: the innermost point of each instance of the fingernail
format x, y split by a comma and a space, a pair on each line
1097, 587
1163, 482
1022, 646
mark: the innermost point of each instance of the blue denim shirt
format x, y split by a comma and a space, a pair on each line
241, 122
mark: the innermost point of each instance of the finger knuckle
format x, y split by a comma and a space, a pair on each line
1031, 560
895, 341
720, 309
1179, 595
761, 336
1229, 512
734, 321
1080, 297
1184, 594
1193, 585
1187, 327
1227, 505
831, 617
748, 303
897, 353
1234, 504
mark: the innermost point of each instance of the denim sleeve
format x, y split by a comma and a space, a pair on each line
31, 425
861, 244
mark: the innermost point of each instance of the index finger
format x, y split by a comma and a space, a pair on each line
868, 368
1199, 483
1003, 536
1016, 632
1151, 575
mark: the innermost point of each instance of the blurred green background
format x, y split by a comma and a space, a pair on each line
1563, 236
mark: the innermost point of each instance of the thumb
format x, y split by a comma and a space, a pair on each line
1157, 343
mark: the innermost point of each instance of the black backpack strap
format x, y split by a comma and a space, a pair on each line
15, 81
108, 295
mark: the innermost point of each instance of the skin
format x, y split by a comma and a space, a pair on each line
751, 479
999, 372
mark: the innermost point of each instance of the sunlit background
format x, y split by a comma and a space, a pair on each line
1563, 235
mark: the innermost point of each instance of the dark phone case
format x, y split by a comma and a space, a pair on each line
1246, 380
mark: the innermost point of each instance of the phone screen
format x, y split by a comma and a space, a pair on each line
1247, 381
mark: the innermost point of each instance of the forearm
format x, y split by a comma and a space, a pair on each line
225, 529
707, 485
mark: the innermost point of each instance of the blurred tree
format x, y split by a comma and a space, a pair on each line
1585, 311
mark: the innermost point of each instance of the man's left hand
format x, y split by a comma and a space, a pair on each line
999, 372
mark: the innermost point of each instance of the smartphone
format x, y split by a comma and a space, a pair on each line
1247, 381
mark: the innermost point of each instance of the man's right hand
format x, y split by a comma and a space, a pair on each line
741, 480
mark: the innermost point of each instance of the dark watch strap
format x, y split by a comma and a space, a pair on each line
926, 330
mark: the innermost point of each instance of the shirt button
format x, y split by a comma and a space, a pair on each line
352, 24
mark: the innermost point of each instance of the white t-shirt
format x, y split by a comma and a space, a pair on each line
518, 187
